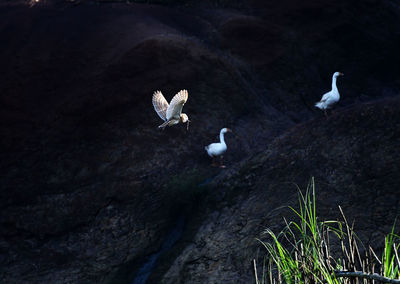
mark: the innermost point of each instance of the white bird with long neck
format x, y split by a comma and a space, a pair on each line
215, 150
332, 97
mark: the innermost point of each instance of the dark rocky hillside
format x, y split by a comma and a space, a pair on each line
90, 187
252, 196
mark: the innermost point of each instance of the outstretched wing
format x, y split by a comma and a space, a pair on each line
160, 105
176, 104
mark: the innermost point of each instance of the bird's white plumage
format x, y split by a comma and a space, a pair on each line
328, 100
332, 97
160, 105
171, 113
174, 109
218, 149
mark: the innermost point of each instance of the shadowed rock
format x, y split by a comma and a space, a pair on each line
88, 181
353, 158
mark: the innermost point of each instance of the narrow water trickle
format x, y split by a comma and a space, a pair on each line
173, 236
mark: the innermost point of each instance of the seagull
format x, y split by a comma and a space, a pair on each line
171, 113
332, 97
218, 149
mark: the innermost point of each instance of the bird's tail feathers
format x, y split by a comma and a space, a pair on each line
320, 105
163, 125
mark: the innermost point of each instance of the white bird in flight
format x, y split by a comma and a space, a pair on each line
332, 97
171, 113
218, 149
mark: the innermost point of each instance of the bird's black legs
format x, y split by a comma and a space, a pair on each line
216, 164
221, 163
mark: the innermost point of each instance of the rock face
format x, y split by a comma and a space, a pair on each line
89, 184
349, 169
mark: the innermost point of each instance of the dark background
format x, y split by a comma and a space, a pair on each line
90, 187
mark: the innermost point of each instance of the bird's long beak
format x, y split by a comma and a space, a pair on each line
341, 74
187, 125
229, 130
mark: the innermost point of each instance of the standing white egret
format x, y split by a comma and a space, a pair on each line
171, 113
218, 149
332, 97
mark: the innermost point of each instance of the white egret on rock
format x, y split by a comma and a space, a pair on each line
215, 150
332, 97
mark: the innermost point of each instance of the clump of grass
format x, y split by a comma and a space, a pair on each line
390, 266
302, 251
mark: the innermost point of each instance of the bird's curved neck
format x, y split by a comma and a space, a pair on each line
221, 137
334, 83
